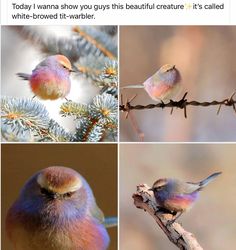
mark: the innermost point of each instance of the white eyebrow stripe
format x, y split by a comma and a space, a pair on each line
42, 181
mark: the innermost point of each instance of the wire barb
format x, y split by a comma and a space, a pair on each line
127, 105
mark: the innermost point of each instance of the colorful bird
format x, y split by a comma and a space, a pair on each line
163, 85
177, 196
51, 78
56, 210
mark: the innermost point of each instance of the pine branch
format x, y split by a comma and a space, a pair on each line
28, 120
104, 74
49, 44
143, 199
95, 119
22, 116
93, 50
84, 41
93, 39
55, 133
110, 30
181, 104
91, 64
71, 108
109, 75
88, 70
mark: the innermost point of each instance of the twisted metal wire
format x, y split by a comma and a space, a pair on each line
181, 104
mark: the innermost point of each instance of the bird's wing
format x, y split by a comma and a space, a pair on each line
186, 187
97, 213
191, 187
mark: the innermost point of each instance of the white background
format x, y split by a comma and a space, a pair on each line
128, 17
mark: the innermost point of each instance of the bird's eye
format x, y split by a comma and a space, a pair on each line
68, 194
158, 188
44, 191
66, 68
170, 69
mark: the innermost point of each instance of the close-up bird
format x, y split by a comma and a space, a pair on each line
163, 85
50, 79
56, 210
178, 196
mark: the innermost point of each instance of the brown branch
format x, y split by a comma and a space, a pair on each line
184, 240
135, 126
98, 45
88, 70
133, 121
181, 104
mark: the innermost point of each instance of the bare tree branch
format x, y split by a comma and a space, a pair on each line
184, 240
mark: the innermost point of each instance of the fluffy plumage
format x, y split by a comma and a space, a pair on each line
178, 196
56, 210
163, 85
51, 78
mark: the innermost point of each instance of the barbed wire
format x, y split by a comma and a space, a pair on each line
181, 104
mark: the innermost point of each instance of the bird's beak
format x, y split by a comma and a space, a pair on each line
150, 189
54, 196
74, 69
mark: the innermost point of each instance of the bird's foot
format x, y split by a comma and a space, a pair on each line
169, 223
68, 100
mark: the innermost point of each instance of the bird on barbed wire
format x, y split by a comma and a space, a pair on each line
50, 79
56, 210
177, 196
163, 85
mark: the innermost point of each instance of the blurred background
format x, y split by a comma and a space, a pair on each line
96, 163
212, 220
206, 58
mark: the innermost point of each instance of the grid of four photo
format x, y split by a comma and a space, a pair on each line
110, 134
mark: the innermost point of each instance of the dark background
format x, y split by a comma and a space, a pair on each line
97, 163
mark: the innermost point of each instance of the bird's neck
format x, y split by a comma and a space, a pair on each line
57, 213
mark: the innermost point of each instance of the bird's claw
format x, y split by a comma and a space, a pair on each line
169, 223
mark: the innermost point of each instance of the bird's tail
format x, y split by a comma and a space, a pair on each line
208, 179
23, 76
133, 86
110, 222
